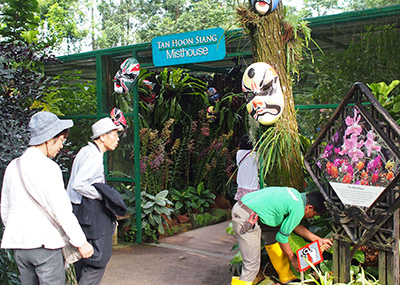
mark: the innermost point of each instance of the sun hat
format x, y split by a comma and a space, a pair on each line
102, 127
44, 126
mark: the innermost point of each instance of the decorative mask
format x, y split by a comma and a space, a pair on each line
126, 76
213, 95
264, 7
146, 92
119, 120
211, 114
263, 93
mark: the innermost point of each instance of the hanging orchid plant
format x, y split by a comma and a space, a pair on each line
357, 155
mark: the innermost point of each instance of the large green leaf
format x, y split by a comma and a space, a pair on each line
229, 229
162, 194
158, 219
359, 256
178, 205
237, 258
148, 205
296, 242
161, 229
161, 202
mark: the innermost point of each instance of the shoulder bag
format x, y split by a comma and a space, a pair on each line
71, 253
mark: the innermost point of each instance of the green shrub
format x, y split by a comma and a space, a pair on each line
192, 198
206, 219
154, 208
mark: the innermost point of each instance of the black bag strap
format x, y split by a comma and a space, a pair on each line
244, 157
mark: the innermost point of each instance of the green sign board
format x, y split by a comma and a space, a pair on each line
191, 47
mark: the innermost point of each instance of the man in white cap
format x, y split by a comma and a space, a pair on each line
88, 204
34, 176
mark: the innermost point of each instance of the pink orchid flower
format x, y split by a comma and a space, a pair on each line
352, 124
352, 148
370, 144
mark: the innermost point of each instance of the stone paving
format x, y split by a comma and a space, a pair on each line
196, 257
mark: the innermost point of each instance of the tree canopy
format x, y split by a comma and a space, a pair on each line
18, 19
81, 25
157, 18
323, 7
63, 22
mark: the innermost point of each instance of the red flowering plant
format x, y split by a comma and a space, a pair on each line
357, 155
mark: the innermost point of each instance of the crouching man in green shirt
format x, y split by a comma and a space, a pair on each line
273, 213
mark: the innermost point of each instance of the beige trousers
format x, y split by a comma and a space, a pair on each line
249, 244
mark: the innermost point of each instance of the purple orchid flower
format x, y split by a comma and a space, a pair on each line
374, 164
350, 169
327, 151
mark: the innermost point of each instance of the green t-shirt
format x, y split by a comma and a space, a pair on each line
278, 206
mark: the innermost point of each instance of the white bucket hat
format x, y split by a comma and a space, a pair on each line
44, 126
102, 127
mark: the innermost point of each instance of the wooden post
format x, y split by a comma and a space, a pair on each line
341, 261
389, 260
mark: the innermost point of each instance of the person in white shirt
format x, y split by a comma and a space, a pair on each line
248, 166
88, 204
36, 243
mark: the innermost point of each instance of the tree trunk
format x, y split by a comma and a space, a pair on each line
267, 38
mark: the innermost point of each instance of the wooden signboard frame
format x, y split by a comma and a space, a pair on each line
375, 225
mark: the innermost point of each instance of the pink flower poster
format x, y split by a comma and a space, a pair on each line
357, 163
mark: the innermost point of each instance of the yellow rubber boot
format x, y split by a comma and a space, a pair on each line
280, 262
237, 281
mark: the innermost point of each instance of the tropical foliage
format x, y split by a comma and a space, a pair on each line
155, 160
8, 268
192, 198
181, 148
182, 151
333, 73
209, 218
199, 156
21, 78
154, 210
21, 83
319, 276
390, 102
18, 20
178, 96
276, 146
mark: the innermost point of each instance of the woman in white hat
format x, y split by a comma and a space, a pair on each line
34, 176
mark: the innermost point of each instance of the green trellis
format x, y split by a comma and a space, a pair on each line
101, 65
